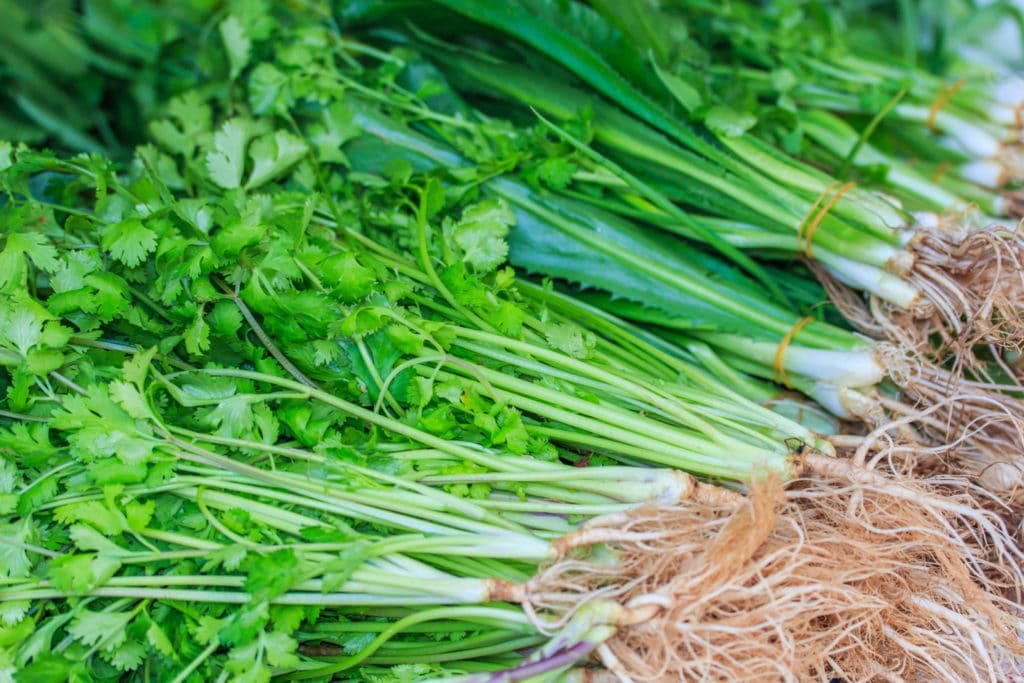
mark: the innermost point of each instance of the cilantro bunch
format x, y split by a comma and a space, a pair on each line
240, 412
273, 403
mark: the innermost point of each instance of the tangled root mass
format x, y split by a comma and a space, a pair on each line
827, 579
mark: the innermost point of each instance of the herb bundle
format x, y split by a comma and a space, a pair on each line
274, 405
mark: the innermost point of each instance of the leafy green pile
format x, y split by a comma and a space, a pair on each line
633, 137
274, 404
218, 397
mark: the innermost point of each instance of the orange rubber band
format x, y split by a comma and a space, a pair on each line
942, 98
778, 368
811, 211
809, 236
940, 171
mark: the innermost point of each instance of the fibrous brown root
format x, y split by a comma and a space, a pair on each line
972, 283
1013, 203
961, 420
959, 426
974, 286
860, 581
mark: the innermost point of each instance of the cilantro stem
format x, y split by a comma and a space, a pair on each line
261, 335
419, 111
216, 524
428, 267
160, 311
389, 424
29, 547
181, 539
21, 417
67, 382
349, 468
197, 661
125, 347
390, 632
492, 644
311, 598
735, 460
382, 388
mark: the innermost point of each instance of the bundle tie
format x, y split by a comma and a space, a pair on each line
940, 171
819, 214
778, 369
942, 98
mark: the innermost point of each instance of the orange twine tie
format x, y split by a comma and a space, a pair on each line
940, 171
809, 237
810, 211
778, 368
819, 214
942, 98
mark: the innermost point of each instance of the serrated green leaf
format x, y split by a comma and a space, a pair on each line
236, 43
93, 628
129, 241
226, 161
197, 335
127, 656
272, 155
19, 246
77, 574
14, 560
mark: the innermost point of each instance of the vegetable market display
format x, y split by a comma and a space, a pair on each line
485, 341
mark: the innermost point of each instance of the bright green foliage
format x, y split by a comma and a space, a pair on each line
261, 379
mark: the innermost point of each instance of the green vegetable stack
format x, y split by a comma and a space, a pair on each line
274, 402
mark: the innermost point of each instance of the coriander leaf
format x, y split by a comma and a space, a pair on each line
87, 538
136, 367
33, 245
246, 622
272, 155
14, 561
47, 668
93, 628
139, 514
13, 612
246, 665
21, 324
556, 172
130, 398
80, 573
280, 649
129, 241
571, 339
93, 513
226, 161
237, 44
157, 637
337, 129
97, 427
351, 279
190, 119
268, 89
197, 335
481, 233
233, 417
207, 629
272, 574
127, 656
